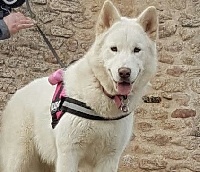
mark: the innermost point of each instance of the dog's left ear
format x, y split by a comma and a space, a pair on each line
107, 17
149, 21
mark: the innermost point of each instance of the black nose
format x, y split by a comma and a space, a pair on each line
124, 72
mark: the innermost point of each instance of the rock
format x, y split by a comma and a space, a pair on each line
166, 58
188, 61
189, 21
188, 142
183, 113
173, 124
193, 72
157, 139
152, 163
84, 25
167, 29
167, 96
175, 154
195, 85
174, 47
181, 99
176, 71
39, 2
158, 114
169, 85
186, 34
165, 16
143, 149
46, 17
62, 32
179, 5
144, 126
66, 6
196, 156
129, 161
72, 45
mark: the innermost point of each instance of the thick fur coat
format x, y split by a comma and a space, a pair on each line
121, 61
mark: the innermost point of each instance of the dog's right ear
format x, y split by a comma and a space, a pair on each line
149, 21
107, 17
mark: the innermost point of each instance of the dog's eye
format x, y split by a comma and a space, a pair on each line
114, 49
136, 50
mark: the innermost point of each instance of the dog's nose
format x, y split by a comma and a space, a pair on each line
124, 72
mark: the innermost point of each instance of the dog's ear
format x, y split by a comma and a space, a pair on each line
107, 17
149, 21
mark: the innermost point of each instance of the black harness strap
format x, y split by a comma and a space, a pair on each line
85, 115
77, 102
56, 120
77, 108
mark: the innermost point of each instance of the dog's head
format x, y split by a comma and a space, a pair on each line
126, 48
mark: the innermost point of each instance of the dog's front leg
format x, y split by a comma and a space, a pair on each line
67, 154
109, 164
67, 160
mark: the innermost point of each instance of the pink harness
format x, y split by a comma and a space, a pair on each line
57, 78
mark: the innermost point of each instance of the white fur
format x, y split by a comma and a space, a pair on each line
28, 143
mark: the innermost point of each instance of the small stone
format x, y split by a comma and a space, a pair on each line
167, 96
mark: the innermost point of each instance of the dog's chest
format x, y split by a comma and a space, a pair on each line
100, 142
106, 141
101, 139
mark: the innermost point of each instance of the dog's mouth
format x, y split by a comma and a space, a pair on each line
123, 87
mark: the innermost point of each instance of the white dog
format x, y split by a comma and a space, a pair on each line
108, 83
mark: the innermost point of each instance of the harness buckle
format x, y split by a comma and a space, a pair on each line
124, 104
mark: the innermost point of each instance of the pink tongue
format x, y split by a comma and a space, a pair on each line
123, 88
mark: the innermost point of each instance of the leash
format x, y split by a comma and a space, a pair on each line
33, 16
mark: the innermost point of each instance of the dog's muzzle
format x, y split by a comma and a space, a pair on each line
124, 85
